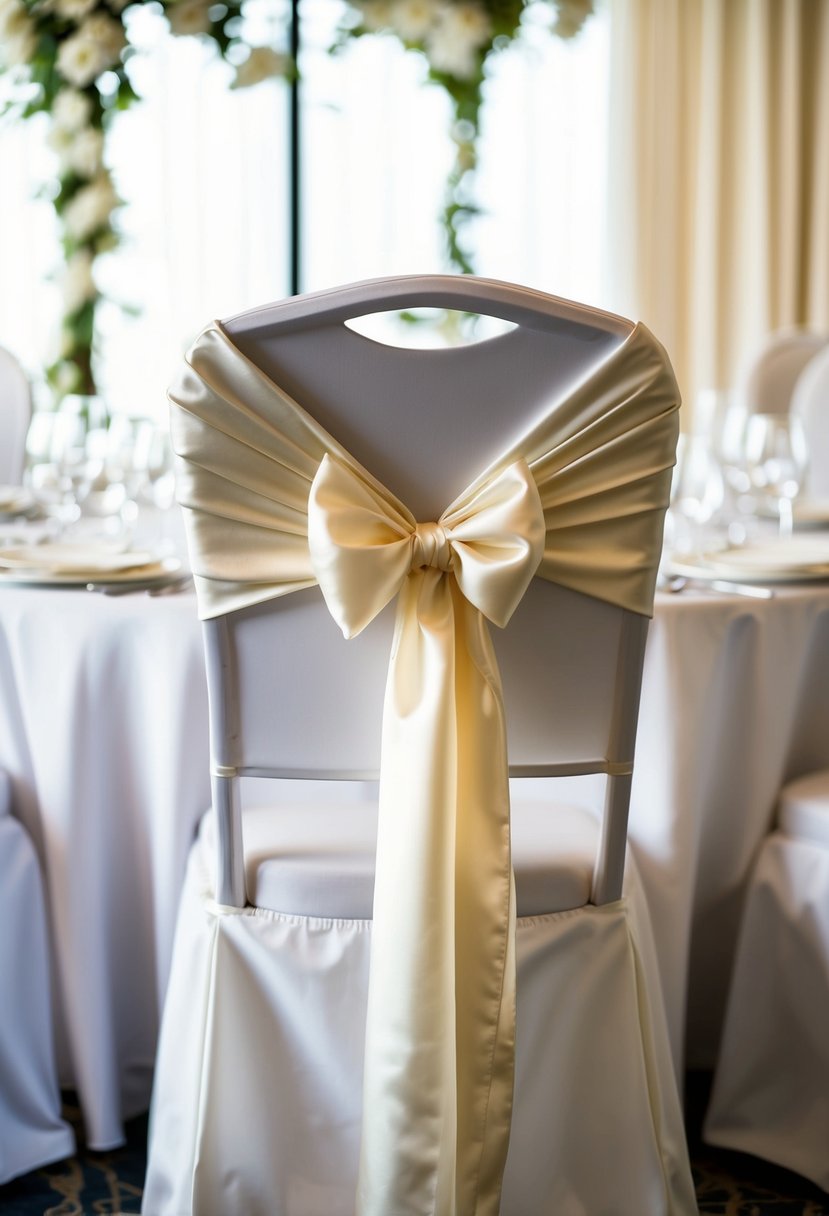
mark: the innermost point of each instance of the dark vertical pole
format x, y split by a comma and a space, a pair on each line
294, 141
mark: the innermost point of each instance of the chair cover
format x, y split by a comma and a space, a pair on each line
771, 1086
32, 1132
769, 380
810, 402
14, 418
274, 504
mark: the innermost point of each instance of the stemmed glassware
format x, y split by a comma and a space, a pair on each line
696, 495
60, 470
776, 461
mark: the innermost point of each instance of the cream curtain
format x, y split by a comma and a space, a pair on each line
719, 198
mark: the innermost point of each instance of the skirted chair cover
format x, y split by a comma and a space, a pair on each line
339, 1062
32, 1132
15, 414
810, 403
771, 1085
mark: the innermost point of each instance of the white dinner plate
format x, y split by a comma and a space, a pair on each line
792, 560
156, 571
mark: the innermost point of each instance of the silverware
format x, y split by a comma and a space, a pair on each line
676, 583
152, 587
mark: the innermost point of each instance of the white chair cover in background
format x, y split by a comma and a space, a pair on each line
262, 1008
810, 402
32, 1132
768, 380
771, 1087
15, 412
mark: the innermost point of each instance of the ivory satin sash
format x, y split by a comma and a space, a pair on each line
273, 504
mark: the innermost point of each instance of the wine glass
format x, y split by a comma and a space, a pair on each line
776, 461
696, 495
157, 490
58, 469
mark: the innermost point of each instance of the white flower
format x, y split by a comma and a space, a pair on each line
261, 64
376, 14
457, 36
90, 208
95, 46
466, 24
412, 19
85, 153
189, 17
78, 284
18, 38
71, 110
67, 376
74, 10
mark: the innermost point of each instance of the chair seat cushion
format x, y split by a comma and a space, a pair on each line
804, 808
318, 859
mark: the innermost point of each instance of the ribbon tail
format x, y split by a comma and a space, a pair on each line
485, 921
440, 1031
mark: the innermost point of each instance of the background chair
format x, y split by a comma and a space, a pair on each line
32, 1132
258, 1097
810, 402
15, 413
771, 1088
769, 378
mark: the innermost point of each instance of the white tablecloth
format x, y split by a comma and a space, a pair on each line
103, 727
103, 720
735, 701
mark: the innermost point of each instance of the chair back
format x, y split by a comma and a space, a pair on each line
288, 696
810, 402
15, 414
771, 375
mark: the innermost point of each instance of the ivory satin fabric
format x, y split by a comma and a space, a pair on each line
274, 504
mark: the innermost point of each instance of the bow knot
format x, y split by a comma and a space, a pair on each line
364, 544
431, 547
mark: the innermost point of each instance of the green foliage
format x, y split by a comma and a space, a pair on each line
76, 71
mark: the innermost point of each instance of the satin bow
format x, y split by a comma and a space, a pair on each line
440, 1034
364, 545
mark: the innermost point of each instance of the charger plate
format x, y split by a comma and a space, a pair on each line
789, 561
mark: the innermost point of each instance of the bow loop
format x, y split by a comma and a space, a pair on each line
363, 545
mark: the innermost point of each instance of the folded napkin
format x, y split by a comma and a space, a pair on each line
789, 553
14, 500
74, 558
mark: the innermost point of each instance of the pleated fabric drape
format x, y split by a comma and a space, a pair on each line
719, 175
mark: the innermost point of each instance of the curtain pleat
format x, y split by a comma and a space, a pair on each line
719, 175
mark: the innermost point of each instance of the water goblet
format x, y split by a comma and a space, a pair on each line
776, 460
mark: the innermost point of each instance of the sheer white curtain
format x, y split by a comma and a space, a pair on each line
203, 171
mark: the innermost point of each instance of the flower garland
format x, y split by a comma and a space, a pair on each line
69, 59
457, 38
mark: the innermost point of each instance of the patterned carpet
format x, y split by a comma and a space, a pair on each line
94, 1184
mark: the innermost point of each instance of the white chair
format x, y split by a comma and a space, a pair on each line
771, 1086
810, 402
271, 1095
15, 413
32, 1132
768, 381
